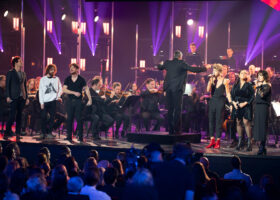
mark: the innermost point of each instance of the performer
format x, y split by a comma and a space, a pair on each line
252, 73
116, 100
16, 92
134, 89
150, 105
98, 112
242, 95
230, 58
4, 106
73, 86
261, 110
217, 85
50, 91
193, 58
174, 86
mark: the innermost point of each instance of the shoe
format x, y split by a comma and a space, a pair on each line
239, 145
233, 144
81, 140
217, 145
212, 143
69, 139
249, 145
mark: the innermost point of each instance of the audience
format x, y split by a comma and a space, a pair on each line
133, 175
237, 173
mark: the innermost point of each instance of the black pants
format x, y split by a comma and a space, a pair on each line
17, 106
102, 121
216, 116
121, 118
148, 116
74, 110
174, 106
47, 116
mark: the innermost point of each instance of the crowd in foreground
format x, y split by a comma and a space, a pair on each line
146, 174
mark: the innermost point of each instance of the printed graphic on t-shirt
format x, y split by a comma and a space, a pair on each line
50, 89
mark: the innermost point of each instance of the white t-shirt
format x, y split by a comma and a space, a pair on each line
50, 89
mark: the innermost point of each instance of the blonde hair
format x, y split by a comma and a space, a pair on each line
218, 67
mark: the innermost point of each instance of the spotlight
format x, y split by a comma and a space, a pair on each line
6, 13
63, 17
190, 22
2, 50
96, 18
59, 53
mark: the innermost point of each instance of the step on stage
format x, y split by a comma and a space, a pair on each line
163, 137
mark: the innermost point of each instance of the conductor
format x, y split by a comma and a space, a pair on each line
174, 86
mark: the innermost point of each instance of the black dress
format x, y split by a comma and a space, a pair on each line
244, 94
261, 112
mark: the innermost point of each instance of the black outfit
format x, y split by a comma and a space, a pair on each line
48, 122
261, 114
194, 59
231, 62
4, 106
150, 109
17, 91
98, 114
139, 192
244, 94
76, 197
74, 105
115, 111
174, 85
112, 191
216, 109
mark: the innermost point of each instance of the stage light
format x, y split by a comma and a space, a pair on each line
106, 28
73, 60
75, 27
83, 64
16, 23
63, 17
49, 26
59, 53
178, 31
201, 31
83, 27
96, 18
142, 63
49, 61
190, 22
6, 13
107, 65
2, 50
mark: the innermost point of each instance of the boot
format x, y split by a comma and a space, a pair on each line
217, 145
262, 149
249, 145
212, 143
239, 144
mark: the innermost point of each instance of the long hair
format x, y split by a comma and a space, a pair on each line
49, 67
200, 174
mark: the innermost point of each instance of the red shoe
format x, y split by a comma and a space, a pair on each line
212, 143
217, 145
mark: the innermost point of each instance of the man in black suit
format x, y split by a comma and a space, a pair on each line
16, 92
174, 86
193, 58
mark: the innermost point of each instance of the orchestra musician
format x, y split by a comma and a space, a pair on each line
115, 101
98, 114
150, 105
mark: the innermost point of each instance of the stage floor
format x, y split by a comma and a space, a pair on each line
122, 143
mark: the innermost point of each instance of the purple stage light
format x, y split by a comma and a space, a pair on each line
160, 29
261, 34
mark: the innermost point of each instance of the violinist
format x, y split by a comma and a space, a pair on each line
98, 109
134, 90
115, 102
150, 105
